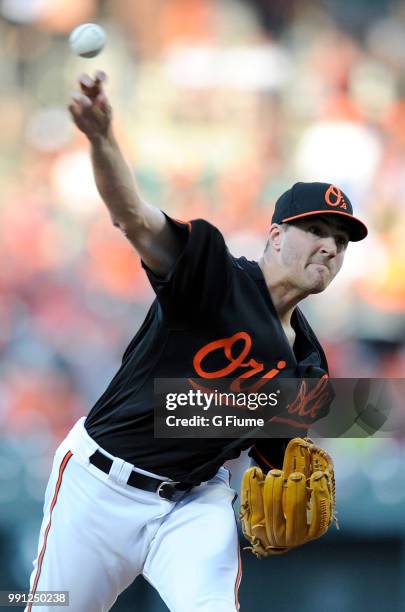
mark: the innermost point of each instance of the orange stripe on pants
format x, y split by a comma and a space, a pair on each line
53, 503
238, 579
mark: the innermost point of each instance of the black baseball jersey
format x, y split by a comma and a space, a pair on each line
212, 316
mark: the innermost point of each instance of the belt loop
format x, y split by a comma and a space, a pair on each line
120, 471
82, 445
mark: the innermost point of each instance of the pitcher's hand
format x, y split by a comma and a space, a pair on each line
89, 108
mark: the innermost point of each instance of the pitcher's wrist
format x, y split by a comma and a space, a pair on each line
101, 138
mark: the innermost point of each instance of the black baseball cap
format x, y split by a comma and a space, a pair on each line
310, 199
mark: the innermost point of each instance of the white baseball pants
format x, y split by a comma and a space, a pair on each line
98, 534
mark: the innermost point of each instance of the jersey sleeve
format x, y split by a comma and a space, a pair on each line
199, 282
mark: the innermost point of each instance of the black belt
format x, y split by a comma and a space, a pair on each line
166, 489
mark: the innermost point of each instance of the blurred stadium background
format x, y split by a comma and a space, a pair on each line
220, 105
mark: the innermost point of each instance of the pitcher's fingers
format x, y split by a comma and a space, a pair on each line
85, 80
92, 88
82, 100
102, 102
74, 110
100, 77
88, 86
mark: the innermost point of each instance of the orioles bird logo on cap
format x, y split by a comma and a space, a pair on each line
334, 197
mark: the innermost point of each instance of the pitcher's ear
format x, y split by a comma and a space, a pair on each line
275, 236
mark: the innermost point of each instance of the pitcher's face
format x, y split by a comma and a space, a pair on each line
312, 252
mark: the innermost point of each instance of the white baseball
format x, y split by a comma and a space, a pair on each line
87, 40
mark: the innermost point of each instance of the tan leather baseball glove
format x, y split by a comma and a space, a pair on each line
289, 507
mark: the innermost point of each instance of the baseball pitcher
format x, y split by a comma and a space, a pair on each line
120, 503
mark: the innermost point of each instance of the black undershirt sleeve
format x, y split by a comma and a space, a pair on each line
269, 454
